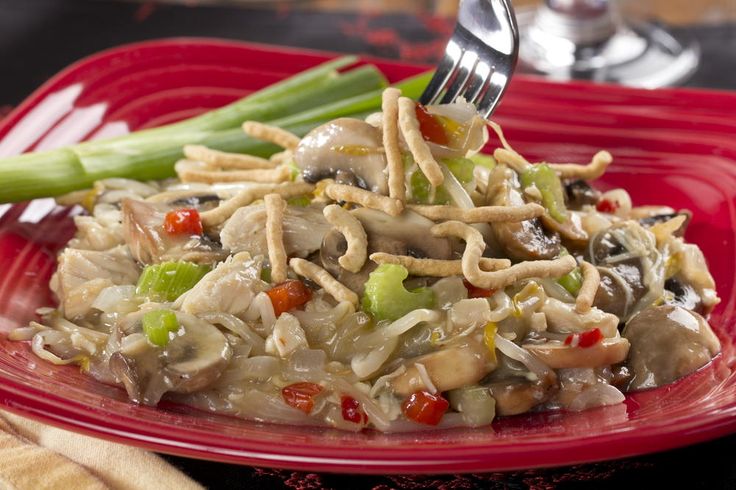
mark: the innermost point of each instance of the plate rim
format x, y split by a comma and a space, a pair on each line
12, 393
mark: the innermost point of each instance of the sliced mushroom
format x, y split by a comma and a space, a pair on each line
579, 193
191, 361
630, 266
683, 294
524, 240
197, 358
304, 229
517, 396
667, 343
604, 353
347, 146
448, 369
407, 234
149, 243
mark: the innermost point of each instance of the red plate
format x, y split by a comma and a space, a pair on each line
671, 146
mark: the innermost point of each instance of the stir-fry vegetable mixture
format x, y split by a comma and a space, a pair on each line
376, 272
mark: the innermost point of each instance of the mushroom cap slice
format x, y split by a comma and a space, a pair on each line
667, 343
407, 234
348, 145
515, 396
191, 361
448, 368
523, 240
559, 356
196, 358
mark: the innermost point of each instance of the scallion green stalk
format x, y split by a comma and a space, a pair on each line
151, 154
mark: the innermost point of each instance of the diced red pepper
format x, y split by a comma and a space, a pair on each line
351, 410
431, 128
606, 206
585, 339
476, 292
288, 295
301, 395
183, 222
425, 408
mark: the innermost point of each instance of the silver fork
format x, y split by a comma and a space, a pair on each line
479, 58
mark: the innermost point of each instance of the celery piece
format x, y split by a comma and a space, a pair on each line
461, 168
157, 324
299, 201
475, 403
549, 185
421, 190
483, 160
169, 280
573, 280
386, 298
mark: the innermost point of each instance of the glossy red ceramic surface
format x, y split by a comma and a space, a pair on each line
672, 146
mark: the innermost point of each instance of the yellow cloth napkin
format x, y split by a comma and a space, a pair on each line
34, 456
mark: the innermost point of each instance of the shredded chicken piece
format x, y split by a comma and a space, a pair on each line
352, 229
593, 170
415, 141
395, 165
272, 134
481, 214
474, 247
188, 173
320, 276
368, 199
436, 267
591, 281
226, 209
275, 207
221, 159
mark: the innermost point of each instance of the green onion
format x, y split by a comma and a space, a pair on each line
386, 298
298, 104
169, 280
157, 325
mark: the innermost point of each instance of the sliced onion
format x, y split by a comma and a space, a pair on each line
457, 192
115, 299
598, 395
517, 353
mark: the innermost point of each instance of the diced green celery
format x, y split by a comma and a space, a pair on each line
169, 280
475, 403
484, 160
299, 201
573, 280
549, 185
266, 274
386, 298
421, 190
157, 325
461, 168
